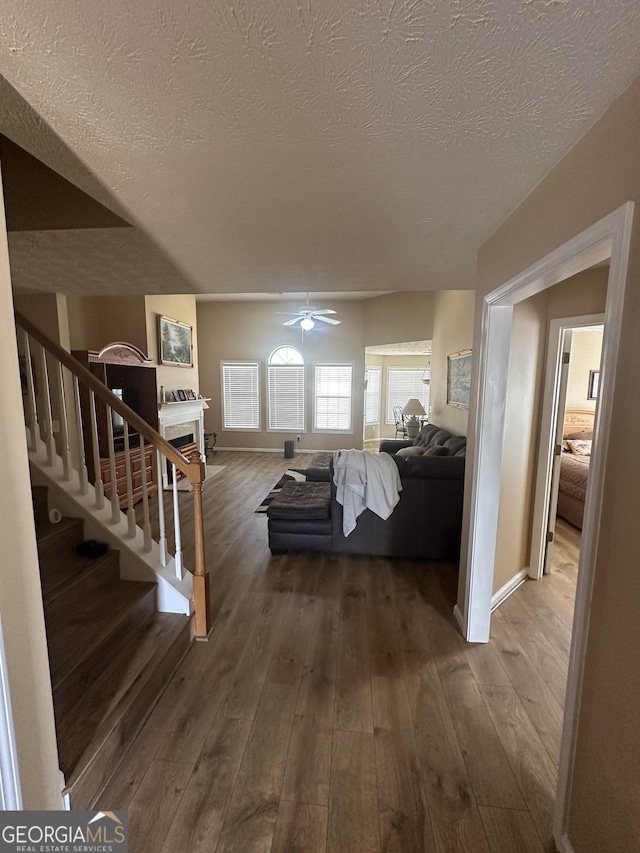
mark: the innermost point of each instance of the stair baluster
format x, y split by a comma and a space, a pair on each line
82, 471
32, 411
97, 471
115, 500
131, 513
176, 525
64, 424
49, 439
146, 523
162, 539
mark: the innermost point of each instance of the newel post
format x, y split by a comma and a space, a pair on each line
202, 614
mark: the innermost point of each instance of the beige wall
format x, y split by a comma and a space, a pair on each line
20, 593
249, 331
586, 348
526, 363
398, 317
598, 175
180, 307
452, 332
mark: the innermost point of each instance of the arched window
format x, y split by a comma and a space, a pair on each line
285, 380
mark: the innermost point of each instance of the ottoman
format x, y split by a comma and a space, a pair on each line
300, 518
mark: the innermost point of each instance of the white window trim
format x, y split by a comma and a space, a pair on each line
348, 431
242, 364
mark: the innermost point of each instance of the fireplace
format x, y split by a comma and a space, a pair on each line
182, 420
181, 441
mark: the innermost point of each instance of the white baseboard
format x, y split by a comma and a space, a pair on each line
459, 618
510, 586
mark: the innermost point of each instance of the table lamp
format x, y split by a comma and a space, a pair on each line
412, 410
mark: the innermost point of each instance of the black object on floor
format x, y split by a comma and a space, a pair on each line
92, 548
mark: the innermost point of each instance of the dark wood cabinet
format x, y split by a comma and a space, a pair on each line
135, 384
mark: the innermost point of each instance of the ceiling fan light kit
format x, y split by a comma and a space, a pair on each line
307, 316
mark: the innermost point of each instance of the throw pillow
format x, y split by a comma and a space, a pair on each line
580, 447
437, 451
411, 451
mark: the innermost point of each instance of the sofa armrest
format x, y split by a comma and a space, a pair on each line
391, 446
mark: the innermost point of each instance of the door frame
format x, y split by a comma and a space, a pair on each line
10, 790
551, 411
609, 238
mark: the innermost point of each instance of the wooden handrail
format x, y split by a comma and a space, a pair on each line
193, 467
101, 391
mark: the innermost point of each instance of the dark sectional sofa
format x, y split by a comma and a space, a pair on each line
426, 522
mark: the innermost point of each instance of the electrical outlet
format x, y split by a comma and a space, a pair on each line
55, 426
298, 438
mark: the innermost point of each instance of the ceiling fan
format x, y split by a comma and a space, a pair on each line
307, 315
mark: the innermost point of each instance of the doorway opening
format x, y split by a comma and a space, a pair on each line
609, 240
570, 396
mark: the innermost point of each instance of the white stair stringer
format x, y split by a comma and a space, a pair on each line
174, 595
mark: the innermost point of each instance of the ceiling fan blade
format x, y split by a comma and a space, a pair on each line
324, 311
288, 313
329, 320
291, 322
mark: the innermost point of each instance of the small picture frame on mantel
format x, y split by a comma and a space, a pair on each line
181, 395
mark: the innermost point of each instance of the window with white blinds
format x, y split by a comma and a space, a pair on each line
333, 397
403, 383
240, 395
285, 379
372, 396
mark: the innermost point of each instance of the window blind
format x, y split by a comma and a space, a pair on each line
286, 397
403, 383
372, 396
240, 395
333, 397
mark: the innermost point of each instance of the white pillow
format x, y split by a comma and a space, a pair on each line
411, 451
580, 447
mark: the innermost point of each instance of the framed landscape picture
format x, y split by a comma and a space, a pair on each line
174, 342
459, 379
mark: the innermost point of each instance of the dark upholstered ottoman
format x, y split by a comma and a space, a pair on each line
319, 468
300, 518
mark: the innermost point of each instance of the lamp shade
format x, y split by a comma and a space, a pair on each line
414, 407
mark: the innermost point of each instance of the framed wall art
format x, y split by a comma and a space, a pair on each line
174, 342
594, 385
459, 379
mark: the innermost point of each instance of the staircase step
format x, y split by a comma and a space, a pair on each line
77, 625
67, 573
103, 703
58, 540
115, 735
40, 503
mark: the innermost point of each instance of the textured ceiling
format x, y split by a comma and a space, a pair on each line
289, 145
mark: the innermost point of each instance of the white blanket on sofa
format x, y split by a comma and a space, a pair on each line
365, 481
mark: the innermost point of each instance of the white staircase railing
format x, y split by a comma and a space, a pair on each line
63, 398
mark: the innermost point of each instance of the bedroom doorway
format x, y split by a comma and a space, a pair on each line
570, 397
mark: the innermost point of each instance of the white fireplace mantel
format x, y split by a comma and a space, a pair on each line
186, 413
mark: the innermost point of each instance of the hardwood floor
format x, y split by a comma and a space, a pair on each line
337, 708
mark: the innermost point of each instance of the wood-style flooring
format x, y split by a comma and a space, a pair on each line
337, 708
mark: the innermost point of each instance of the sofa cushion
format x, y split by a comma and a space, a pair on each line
411, 451
455, 444
434, 468
436, 450
302, 501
